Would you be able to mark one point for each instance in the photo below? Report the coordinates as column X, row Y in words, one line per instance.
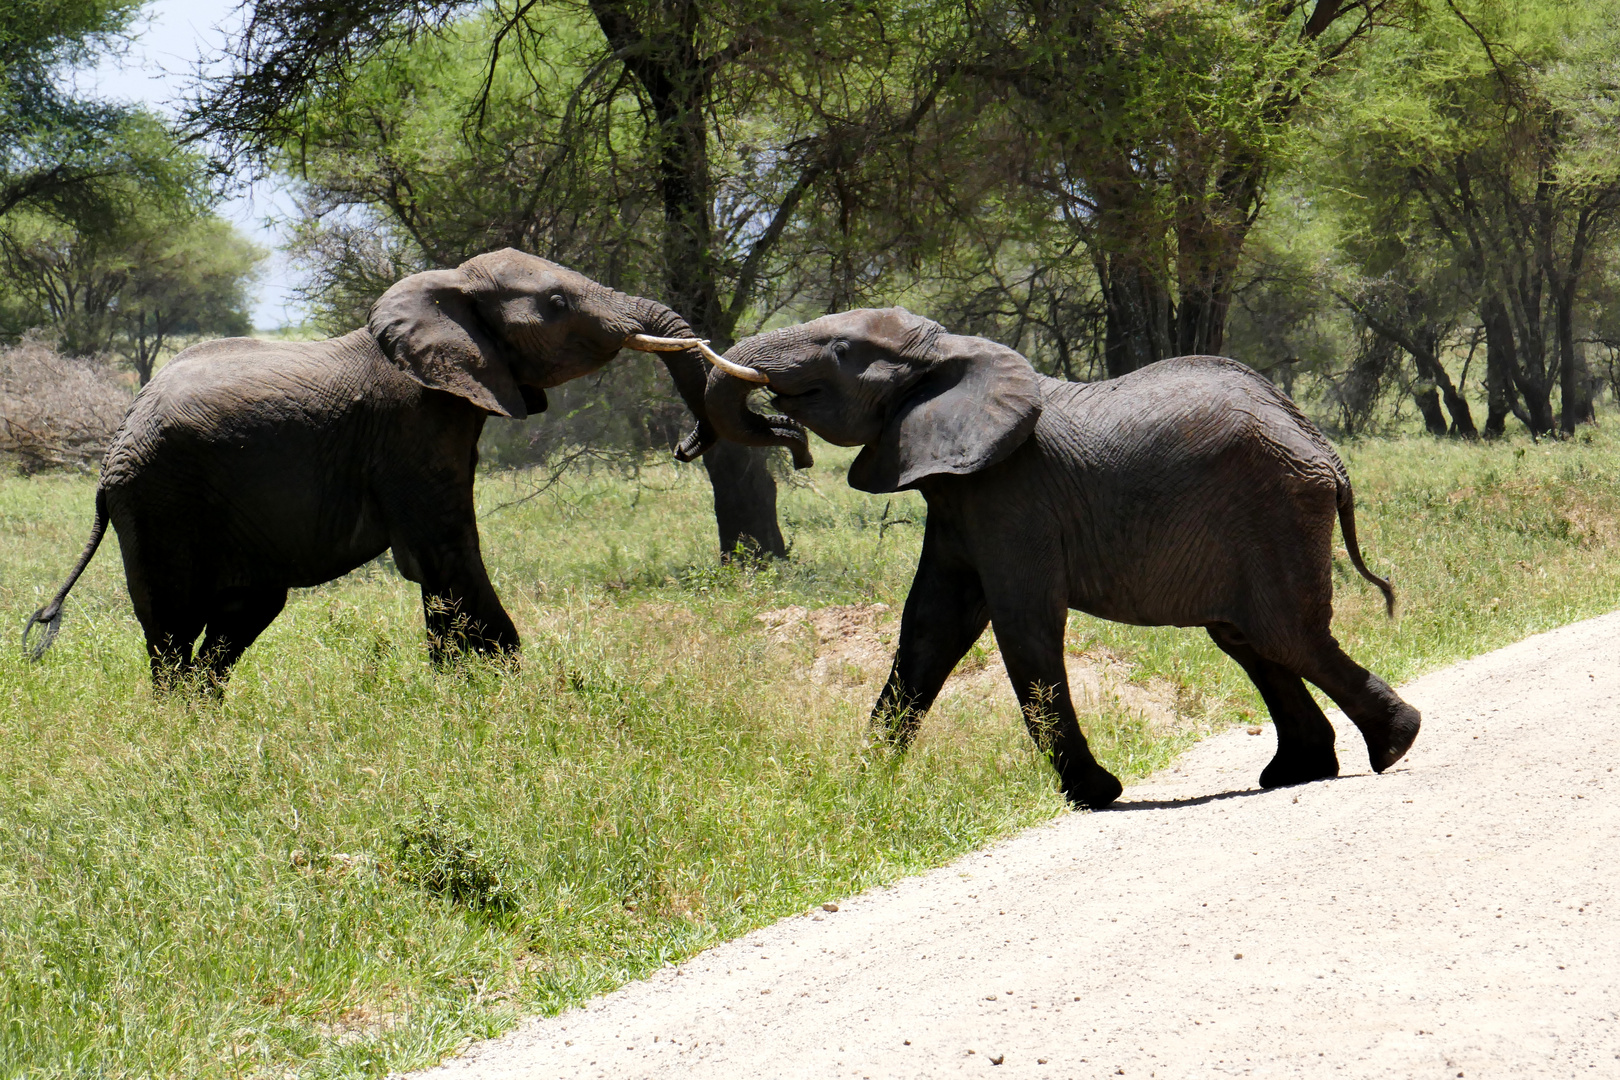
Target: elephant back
column 1197, row 407
column 224, row 392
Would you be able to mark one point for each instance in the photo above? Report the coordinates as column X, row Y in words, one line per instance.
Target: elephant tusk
column 671, row 344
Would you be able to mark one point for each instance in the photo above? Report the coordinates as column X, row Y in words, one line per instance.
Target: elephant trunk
column 655, row 328
column 727, row 402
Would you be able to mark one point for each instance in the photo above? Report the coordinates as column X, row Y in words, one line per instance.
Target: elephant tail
column 1347, row 525
column 49, row 617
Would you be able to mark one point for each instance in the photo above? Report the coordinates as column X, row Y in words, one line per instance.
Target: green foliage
column 164, row 270
column 435, row 856
column 202, row 889
column 445, row 146
column 1470, row 170
column 1149, row 134
column 104, row 231
column 59, row 154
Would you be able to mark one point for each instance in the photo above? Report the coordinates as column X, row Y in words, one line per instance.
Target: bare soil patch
column 852, row 647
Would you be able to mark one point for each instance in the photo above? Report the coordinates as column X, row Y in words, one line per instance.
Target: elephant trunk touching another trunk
column 667, row 334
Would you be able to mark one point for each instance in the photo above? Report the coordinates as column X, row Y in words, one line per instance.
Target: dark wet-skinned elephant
column 247, row 467
column 1189, row 493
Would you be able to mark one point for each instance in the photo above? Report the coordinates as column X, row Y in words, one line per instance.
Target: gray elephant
column 249, row 467
column 1189, row 493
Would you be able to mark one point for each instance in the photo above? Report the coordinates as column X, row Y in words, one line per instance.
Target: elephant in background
column 247, row 467
column 1189, row 493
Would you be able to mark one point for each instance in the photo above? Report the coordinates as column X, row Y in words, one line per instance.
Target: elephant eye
column 839, row 349
column 559, row 302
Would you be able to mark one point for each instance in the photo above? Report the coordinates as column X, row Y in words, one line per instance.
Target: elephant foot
column 1389, row 742
column 1093, row 791
column 1301, row 766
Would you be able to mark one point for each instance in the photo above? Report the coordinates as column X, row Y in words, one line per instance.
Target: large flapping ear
column 428, row 324
column 976, row 402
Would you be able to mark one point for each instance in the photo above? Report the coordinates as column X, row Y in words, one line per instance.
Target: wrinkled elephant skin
column 249, row 467
column 1190, row 493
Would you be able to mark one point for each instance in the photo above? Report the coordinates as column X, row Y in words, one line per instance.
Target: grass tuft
column 431, row 853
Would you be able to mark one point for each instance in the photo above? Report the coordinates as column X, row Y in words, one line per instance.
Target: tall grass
column 354, row 862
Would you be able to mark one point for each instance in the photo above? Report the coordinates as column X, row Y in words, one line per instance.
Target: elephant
column 248, row 467
column 1191, row 492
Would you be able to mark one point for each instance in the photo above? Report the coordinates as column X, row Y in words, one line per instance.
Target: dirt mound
column 854, row 648
column 854, row 643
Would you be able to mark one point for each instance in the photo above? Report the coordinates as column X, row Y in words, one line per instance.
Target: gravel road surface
column 1455, row 917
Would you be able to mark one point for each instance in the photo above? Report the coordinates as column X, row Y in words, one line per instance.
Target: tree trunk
column 1535, row 384
column 1501, row 369
column 1201, row 320
column 1430, row 370
column 744, row 501
column 1137, row 318
column 1428, row 403
column 1538, row 408
column 1574, row 388
column 1498, row 370
column 663, row 56
column 1209, row 238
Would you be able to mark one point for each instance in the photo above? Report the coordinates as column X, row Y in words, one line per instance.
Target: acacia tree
column 711, row 147
column 62, row 155
column 131, row 287
column 1484, row 140
column 1151, row 132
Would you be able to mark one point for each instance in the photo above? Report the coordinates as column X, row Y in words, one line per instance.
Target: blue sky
column 170, row 41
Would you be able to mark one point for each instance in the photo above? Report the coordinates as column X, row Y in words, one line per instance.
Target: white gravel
column 1456, row 916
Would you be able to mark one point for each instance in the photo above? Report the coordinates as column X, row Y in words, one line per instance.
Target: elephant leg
column 1304, row 735
column 459, row 604
column 1388, row 725
column 1029, row 630
column 168, row 648
column 168, row 618
column 237, row 618
column 463, row 616
column 435, row 544
column 945, row 614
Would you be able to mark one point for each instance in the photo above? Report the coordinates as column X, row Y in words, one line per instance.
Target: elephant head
column 922, row 402
column 501, row 327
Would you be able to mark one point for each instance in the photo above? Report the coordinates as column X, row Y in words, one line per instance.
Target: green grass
column 355, row 861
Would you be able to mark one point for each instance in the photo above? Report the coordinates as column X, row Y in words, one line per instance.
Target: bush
column 438, row 858
column 56, row 412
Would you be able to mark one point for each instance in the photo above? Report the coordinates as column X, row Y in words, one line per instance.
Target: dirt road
column 1456, row 917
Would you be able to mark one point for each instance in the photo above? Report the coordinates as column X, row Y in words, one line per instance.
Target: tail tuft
column 49, row 617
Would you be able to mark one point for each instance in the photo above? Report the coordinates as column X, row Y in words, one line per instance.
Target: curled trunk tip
column 726, row 402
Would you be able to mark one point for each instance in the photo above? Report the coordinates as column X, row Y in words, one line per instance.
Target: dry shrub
column 56, row 411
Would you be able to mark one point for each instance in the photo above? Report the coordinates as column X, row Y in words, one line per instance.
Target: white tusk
column 747, row 374
column 672, row 344
column 644, row 343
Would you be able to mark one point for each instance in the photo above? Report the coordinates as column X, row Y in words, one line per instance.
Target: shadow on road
column 1175, row 804
column 1172, row 804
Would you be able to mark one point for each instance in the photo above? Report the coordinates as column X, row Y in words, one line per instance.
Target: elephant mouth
column 600, row 350
column 780, row 398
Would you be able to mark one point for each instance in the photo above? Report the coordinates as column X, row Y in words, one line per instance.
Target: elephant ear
column 428, row 324
column 976, row 403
